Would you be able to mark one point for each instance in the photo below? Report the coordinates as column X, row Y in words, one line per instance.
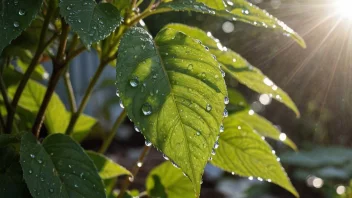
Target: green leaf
column 240, row 10
column 31, row 100
column 39, row 72
column 16, row 16
column 238, row 67
column 167, row 181
column 7, row 139
column 122, row 5
column 107, row 168
column 237, row 102
column 173, row 91
column 263, row 127
column 11, row 181
column 92, row 22
column 242, row 151
column 58, row 168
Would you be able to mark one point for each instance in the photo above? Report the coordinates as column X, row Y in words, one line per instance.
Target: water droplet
column 250, row 178
column 40, row 161
column 117, row 93
column 134, row 82
column 239, row 127
column 208, row 107
column 32, row 156
column 223, row 74
column 139, row 164
column 222, row 128
column 136, row 129
column 165, row 157
column 201, row 182
column 42, row 179
column 245, row 12
column 206, row 48
column 68, row 8
column 51, row 190
column 190, row 67
column 69, row 166
column 198, row 133
column 148, row 143
column 16, row 24
column 147, row 109
column 76, row 186
column 203, row 74
column 30, row 171
column 121, row 104
column 226, row 113
column 81, row 175
column 216, row 145
column 226, row 100
column 213, row 152
column 21, row 12
column 174, row 164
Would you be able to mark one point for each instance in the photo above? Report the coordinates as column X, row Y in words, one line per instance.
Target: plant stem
column 86, row 97
column 70, row 92
column 126, row 183
column 112, row 133
column 4, row 95
column 48, row 94
column 29, row 71
column 2, row 123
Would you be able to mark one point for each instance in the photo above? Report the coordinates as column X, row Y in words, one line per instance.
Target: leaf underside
column 173, row 91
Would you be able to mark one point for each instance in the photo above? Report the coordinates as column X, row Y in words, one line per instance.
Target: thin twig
column 112, row 132
column 2, row 123
column 4, row 95
column 70, row 92
column 126, row 183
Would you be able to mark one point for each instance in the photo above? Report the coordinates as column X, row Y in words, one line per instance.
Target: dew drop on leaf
column 147, row 109
column 222, row 128
column 222, row 73
column 51, row 190
column 165, row 157
column 117, row 93
column 213, row 152
column 30, row 171
column 226, row 100
column 216, row 145
column 139, row 164
column 136, row 129
column 208, row 107
column 148, row 143
column 134, row 82
column 16, row 24
column 226, row 113
column 121, row 104
column 32, row 156
column 21, row 12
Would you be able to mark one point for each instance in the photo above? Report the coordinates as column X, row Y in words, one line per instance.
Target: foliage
column 172, row 86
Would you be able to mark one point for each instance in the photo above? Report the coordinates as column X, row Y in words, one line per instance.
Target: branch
column 112, row 132
column 126, row 183
column 70, row 92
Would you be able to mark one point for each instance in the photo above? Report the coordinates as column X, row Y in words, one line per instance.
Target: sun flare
column 344, row 8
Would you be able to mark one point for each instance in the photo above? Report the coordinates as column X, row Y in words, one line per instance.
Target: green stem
column 2, row 124
column 29, row 71
column 126, row 183
column 112, row 133
column 4, row 95
column 86, row 97
column 70, row 92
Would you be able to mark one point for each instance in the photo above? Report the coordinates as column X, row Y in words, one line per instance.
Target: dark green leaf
column 173, row 90
column 240, row 10
column 92, row 22
column 6, row 139
column 11, row 181
column 237, row 101
column 167, row 181
column 107, row 168
column 238, row 67
column 59, row 168
column 16, row 16
column 263, row 127
column 242, row 151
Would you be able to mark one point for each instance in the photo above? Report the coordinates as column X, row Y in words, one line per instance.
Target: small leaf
column 237, row 102
column 174, row 92
column 16, row 16
column 31, row 100
column 107, row 168
column 240, row 10
column 238, row 67
column 168, row 181
column 11, row 181
column 92, row 22
column 263, row 127
column 242, row 151
column 59, row 168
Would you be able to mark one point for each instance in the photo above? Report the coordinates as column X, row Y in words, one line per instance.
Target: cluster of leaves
column 172, row 87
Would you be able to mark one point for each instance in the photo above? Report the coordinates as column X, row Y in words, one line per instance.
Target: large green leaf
column 173, row 90
column 242, row 151
column 11, row 181
column 107, row 168
column 39, row 72
column 31, row 100
column 238, row 67
column 16, row 16
column 59, row 168
column 93, row 22
column 167, row 179
column 263, row 127
column 240, row 10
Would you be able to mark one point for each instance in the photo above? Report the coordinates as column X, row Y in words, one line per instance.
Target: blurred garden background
column 317, row 78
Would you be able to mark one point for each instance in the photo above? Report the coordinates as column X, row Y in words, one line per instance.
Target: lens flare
column 343, row 8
